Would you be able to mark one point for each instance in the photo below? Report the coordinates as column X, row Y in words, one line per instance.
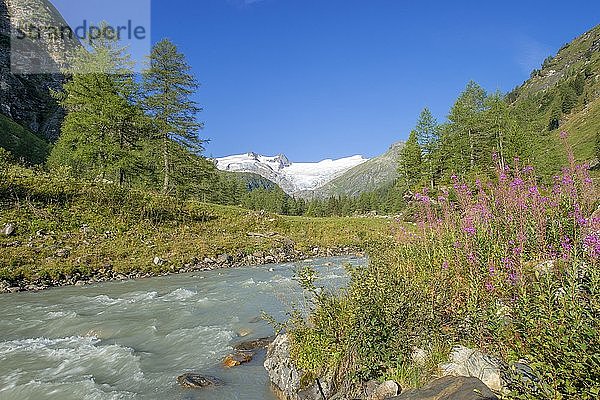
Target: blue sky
column 321, row 79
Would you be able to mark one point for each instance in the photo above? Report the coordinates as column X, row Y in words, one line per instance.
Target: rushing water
column 130, row 340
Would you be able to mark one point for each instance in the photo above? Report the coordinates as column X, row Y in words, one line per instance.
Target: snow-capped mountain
column 291, row 177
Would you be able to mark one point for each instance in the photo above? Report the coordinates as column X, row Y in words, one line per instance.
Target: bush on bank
column 507, row 266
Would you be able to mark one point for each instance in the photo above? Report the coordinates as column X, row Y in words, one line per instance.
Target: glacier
column 292, row 177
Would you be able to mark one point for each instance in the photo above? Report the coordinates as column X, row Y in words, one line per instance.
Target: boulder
column 224, row 259
column 196, row 381
column 8, row 229
column 467, row 362
column 386, row 390
column 239, row 358
column 451, row 388
column 286, row 378
column 243, row 332
column 252, row 345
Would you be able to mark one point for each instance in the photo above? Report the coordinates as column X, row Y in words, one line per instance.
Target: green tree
column 168, row 88
column 466, row 136
column 103, row 124
column 428, row 137
column 508, row 141
column 569, row 98
column 555, row 116
column 411, row 162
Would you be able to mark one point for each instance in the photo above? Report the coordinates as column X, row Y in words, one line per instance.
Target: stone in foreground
column 286, row 378
column 451, row 388
column 385, row 391
column 473, row 363
column 8, row 229
column 197, row 381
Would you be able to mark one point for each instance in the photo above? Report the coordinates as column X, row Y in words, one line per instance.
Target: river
column 130, row 340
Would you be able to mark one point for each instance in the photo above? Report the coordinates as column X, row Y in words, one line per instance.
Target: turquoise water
column 130, row 340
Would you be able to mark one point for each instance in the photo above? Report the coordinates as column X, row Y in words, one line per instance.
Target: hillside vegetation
column 563, row 95
column 510, row 267
column 21, row 142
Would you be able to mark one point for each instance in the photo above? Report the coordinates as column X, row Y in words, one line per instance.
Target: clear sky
column 318, row 79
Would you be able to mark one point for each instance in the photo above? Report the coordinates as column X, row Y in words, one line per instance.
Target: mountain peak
column 291, row 177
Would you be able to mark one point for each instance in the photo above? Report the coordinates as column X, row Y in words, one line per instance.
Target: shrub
column 471, row 271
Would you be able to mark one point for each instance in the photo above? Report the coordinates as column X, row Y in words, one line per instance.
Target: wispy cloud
column 530, row 53
column 244, row 3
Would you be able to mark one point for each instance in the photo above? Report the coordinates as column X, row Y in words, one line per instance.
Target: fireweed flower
column 567, row 246
column 471, row 258
column 470, row 230
column 489, row 286
column 591, row 244
column 517, row 183
column 445, row 265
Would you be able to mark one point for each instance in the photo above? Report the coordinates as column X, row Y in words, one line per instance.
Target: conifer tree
column 410, row 162
column 103, row 124
column 428, row 136
column 464, row 133
column 168, row 87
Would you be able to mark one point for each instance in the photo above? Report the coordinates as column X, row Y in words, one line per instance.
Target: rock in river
column 196, row 381
column 233, row 360
column 254, row 344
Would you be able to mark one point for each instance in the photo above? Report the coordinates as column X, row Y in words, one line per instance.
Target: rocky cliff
column 26, row 97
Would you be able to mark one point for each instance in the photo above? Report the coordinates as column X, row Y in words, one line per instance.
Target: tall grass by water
column 505, row 265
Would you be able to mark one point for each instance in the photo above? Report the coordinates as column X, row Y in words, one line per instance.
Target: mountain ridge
column 293, row 178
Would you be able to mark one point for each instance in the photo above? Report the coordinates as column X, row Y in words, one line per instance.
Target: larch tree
column 410, row 163
column 466, row 134
column 102, row 123
column 168, row 86
column 428, row 136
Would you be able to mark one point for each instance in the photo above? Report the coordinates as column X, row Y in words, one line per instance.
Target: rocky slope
column 374, row 174
column 26, row 97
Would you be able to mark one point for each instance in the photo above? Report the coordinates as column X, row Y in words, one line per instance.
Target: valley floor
column 58, row 231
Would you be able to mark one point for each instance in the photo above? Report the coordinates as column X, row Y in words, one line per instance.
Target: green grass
column 21, row 142
column 102, row 226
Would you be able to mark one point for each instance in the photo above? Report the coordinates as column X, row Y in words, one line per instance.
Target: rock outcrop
column 26, row 97
column 287, row 379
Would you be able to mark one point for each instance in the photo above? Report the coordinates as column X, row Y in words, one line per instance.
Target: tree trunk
column 472, row 145
column 167, row 165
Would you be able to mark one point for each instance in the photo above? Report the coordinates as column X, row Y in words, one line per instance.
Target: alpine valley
column 346, row 176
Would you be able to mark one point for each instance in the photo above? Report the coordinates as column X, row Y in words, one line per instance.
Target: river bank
column 56, row 232
column 222, row 261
